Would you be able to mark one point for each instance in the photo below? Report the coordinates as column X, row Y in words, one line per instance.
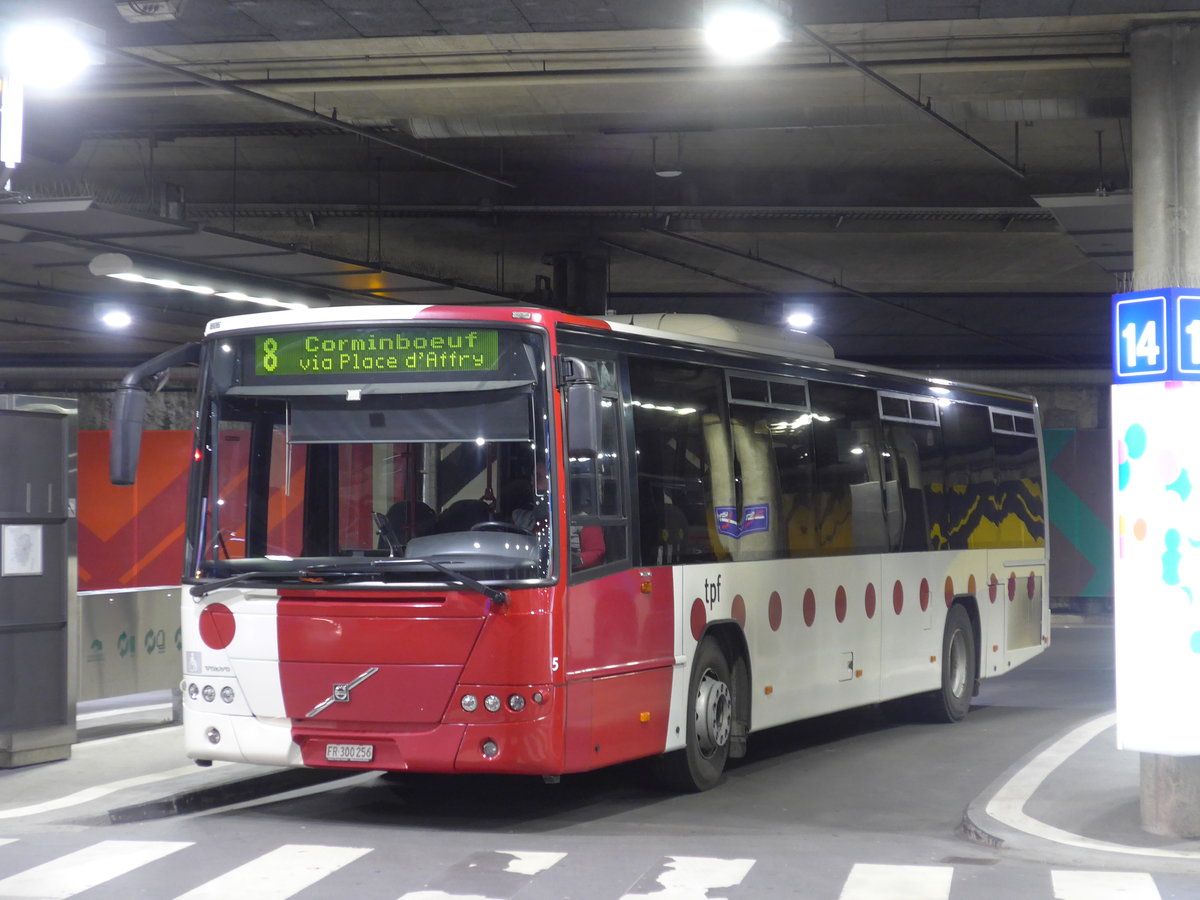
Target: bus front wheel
column 709, row 714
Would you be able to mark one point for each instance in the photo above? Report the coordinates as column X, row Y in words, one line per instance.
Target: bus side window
column 850, row 515
column 674, row 405
column 970, row 476
column 597, row 533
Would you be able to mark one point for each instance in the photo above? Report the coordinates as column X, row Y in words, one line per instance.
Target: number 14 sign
column 1156, row 335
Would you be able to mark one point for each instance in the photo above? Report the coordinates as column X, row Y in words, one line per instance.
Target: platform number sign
column 1187, row 313
column 1156, row 335
column 1139, row 333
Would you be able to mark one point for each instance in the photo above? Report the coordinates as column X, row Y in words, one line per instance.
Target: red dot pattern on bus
column 869, row 601
column 898, row 597
column 217, row 626
column 839, row 604
column 698, row 618
column 810, row 607
column 775, row 611
column 924, row 594
column 739, row 610
column 949, row 592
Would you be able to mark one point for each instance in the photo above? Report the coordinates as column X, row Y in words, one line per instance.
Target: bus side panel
column 621, row 620
column 812, row 629
column 620, row 655
column 1023, row 604
column 913, row 604
column 617, row 718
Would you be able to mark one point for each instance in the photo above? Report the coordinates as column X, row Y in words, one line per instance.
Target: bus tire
column 709, row 715
column 952, row 701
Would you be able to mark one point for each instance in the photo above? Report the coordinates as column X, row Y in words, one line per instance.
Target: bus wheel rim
column 714, row 714
column 958, row 664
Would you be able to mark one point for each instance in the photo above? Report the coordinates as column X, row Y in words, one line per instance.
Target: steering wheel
column 496, row 525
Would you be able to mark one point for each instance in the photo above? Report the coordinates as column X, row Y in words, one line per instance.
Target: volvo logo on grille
column 341, row 693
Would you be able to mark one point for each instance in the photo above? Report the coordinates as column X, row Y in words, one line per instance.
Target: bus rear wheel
column 699, row 765
column 952, row 701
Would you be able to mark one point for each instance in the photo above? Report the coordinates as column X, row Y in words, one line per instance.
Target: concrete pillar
column 1166, row 156
column 1166, row 253
column 580, row 281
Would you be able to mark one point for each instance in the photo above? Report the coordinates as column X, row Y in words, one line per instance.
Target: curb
column 215, row 796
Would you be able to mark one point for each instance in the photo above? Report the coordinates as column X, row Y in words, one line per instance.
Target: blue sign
column 1187, row 314
column 1156, row 335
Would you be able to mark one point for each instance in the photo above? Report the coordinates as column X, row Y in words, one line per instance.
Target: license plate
column 349, row 752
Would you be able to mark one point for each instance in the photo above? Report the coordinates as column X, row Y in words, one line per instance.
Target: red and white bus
column 453, row 539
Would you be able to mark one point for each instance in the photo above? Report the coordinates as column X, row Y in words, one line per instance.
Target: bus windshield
column 304, row 479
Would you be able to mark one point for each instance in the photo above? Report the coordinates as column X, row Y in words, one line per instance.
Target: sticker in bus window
column 755, row 519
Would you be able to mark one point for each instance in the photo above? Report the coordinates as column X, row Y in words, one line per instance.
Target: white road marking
column 1008, row 804
column 870, row 882
column 94, row 793
column 530, row 863
column 1104, row 886
column 4, row 841
column 499, row 873
column 124, row 711
column 692, row 877
column 84, row 869
column 279, row 874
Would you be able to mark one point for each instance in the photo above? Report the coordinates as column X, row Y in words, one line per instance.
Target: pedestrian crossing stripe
column 85, row 869
column 288, row 870
column 868, row 882
column 1103, row 886
column 691, row 876
column 279, row 874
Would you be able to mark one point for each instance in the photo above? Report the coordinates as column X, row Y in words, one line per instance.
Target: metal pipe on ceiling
column 874, row 76
column 199, row 85
column 293, row 109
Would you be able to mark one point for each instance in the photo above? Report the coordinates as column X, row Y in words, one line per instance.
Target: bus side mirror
column 582, row 389
column 129, row 410
column 125, row 434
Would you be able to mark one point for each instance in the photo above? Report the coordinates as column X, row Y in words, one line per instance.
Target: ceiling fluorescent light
column 123, row 268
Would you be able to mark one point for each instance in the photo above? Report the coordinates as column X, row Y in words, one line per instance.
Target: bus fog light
column 227, row 694
column 516, row 702
column 193, row 690
column 490, row 749
column 491, row 703
column 539, row 697
column 209, row 693
column 470, row 703
column 214, row 736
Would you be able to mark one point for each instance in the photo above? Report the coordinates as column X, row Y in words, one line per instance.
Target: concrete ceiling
column 885, row 165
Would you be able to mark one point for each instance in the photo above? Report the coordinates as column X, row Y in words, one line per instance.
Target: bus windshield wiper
column 378, row 566
column 199, row 590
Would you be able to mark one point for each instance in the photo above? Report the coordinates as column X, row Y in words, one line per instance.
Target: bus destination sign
column 376, row 352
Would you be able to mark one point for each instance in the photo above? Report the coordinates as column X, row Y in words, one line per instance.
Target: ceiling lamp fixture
column 800, row 317
column 739, row 30
column 49, row 54
column 667, row 165
column 113, row 316
column 123, row 268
